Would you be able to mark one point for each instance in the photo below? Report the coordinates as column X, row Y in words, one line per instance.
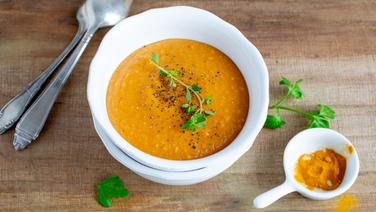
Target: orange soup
column 149, row 109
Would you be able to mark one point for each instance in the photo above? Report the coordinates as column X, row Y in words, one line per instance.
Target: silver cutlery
column 13, row 110
column 96, row 14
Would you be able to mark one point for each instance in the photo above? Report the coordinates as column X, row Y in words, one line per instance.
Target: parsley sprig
column 317, row 118
column 111, row 187
column 198, row 115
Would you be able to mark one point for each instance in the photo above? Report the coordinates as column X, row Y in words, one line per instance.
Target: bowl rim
column 234, row 149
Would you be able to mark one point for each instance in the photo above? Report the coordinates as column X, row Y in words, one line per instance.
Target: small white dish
column 305, row 142
column 158, row 176
column 196, row 24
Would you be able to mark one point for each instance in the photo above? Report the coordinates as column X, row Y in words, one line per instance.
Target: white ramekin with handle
column 306, row 142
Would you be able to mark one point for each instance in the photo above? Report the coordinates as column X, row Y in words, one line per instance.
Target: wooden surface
column 330, row 44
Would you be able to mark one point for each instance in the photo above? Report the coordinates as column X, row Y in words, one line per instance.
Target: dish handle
column 265, row 199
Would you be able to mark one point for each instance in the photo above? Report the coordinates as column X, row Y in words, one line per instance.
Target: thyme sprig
column 198, row 115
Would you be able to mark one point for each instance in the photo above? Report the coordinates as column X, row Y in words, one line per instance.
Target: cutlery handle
column 272, row 195
column 32, row 122
column 13, row 110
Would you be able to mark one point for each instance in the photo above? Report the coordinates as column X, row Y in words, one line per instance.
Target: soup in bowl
column 152, row 111
column 178, row 93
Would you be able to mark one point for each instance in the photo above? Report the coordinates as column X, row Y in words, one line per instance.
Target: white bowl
column 155, row 175
column 180, row 22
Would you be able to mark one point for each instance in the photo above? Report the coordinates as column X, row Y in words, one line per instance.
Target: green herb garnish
column 111, row 187
column 318, row 118
column 197, row 112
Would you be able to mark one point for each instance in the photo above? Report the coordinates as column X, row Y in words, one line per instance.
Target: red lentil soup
column 146, row 111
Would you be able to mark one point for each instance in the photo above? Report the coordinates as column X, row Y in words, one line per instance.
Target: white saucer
column 155, row 175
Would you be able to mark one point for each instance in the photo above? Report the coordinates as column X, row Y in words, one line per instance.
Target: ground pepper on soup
column 147, row 111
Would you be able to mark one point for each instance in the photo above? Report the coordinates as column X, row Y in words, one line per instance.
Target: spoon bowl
column 306, row 142
column 101, row 13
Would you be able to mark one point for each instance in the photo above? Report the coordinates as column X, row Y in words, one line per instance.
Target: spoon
column 97, row 14
column 309, row 141
column 13, row 110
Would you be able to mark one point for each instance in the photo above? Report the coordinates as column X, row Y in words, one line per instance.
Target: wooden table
column 329, row 44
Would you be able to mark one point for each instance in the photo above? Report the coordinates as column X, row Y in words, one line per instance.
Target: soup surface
column 146, row 110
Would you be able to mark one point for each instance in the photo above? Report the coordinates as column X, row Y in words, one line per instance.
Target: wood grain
column 330, row 44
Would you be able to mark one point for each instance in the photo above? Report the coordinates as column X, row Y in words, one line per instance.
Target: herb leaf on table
column 111, row 187
column 317, row 118
column 274, row 121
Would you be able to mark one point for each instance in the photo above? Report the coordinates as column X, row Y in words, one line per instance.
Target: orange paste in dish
column 350, row 149
column 147, row 113
column 322, row 169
